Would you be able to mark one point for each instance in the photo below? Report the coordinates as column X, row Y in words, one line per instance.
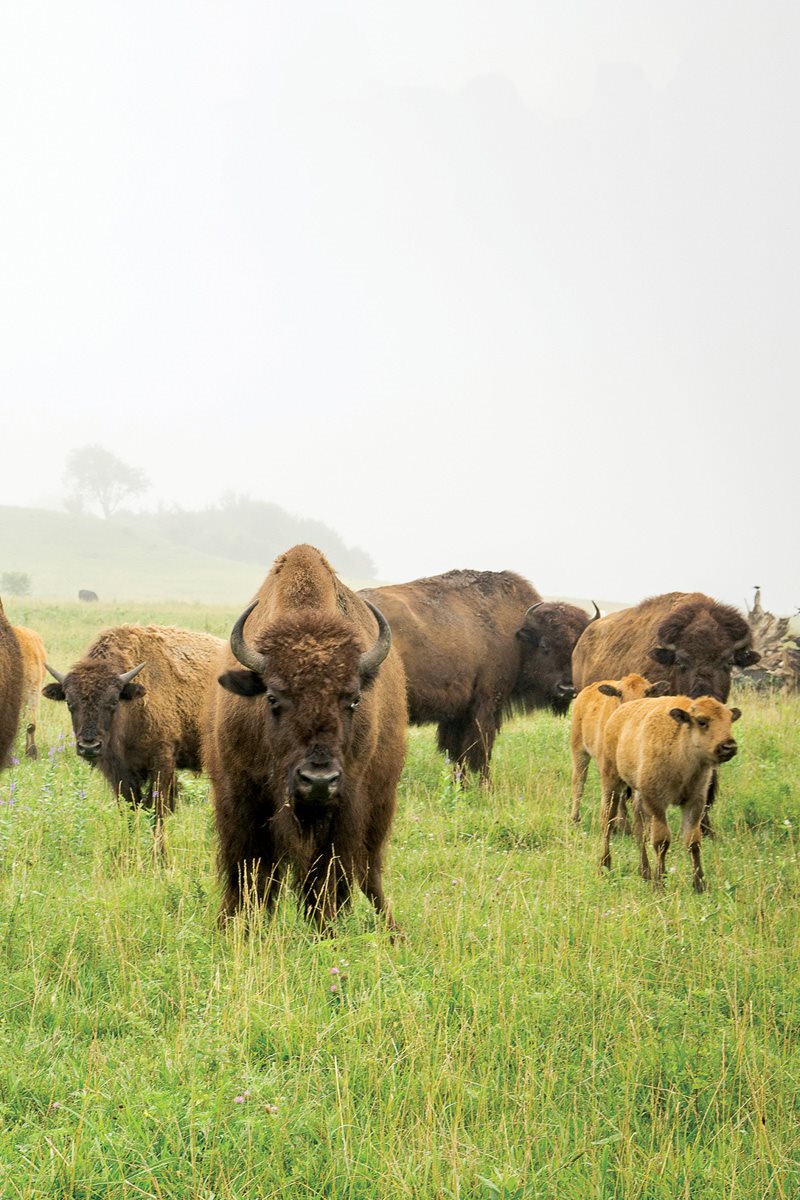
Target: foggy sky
column 501, row 285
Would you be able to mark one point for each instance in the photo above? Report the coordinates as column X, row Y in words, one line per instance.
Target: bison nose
column 312, row 783
column 566, row 691
column 726, row 750
column 89, row 748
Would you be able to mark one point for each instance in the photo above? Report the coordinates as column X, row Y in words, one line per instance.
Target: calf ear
column 131, row 691
column 243, row 683
column 746, row 658
column 735, row 714
column 658, row 689
column 608, row 690
column 54, row 691
column 662, row 655
column 527, row 635
column 681, row 716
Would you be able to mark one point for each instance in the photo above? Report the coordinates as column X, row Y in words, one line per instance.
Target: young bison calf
column 665, row 751
column 591, row 711
column 33, row 673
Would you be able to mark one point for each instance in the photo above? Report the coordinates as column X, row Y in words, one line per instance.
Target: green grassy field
column 542, row 1032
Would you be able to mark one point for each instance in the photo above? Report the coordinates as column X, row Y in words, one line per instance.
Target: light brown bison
column 33, row 674
column 306, row 744
column 10, row 687
column 694, row 640
column 139, row 734
column 592, row 708
column 665, row 751
column 476, row 646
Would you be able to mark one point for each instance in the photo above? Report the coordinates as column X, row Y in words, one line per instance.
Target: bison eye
column 273, row 701
column 702, row 722
column 353, row 703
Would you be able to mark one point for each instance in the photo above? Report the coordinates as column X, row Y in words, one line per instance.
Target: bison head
column 308, row 673
column 700, row 644
column 708, row 726
column 92, row 691
column 547, row 637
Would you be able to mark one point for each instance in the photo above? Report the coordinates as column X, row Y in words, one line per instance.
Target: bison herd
column 300, row 718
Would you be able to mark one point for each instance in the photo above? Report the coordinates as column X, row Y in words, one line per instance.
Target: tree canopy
column 96, row 476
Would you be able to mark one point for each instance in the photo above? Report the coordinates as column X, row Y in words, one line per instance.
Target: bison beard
column 305, row 746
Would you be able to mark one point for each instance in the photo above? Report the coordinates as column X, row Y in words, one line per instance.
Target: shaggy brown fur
column 665, row 751
column 703, row 633
column 139, row 734
column 33, row 675
column 307, row 716
column 592, row 708
column 470, row 658
column 10, row 687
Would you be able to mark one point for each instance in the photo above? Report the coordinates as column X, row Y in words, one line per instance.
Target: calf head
column 307, row 672
column 634, row 687
column 700, row 645
column 708, row 726
column 92, row 691
column 547, row 638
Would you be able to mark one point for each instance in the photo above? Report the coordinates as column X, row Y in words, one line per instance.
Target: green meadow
column 541, row 1031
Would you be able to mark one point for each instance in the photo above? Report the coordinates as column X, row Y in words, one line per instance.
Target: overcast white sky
column 489, row 285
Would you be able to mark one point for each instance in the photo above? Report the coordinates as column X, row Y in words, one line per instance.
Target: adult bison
column 139, row 734
column 477, row 645
column 306, row 744
column 695, row 641
column 87, row 596
column 11, row 683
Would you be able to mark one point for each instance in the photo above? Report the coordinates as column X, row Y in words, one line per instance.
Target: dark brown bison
column 477, row 645
column 695, row 641
column 33, row 674
column 306, row 744
column 88, row 596
column 11, row 683
column 139, row 734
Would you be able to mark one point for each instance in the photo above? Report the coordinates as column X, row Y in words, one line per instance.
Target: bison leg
column 327, row 889
column 641, row 838
column 30, row 741
column 713, row 788
column 608, row 813
column 660, row 837
column 161, row 798
column 249, row 884
column 479, row 735
column 450, row 738
column 580, row 768
column 692, row 837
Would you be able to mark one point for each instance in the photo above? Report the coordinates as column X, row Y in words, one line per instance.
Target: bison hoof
column 700, row 885
column 31, row 752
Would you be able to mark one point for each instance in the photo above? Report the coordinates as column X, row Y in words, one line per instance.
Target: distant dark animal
column 306, row 744
column 665, row 751
column 86, row 595
column 140, row 734
column 694, row 640
column 11, row 683
column 33, row 674
column 591, row 711
column 476, row 646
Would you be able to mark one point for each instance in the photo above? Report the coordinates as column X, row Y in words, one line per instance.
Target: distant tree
column 15, row 583
column 98, row 477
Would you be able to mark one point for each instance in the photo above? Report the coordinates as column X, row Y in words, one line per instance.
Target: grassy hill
column 123, row 559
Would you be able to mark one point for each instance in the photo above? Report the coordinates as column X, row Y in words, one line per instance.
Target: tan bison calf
column 10, row 687
column 590, row 713
column 33, row 673
column 665, row 751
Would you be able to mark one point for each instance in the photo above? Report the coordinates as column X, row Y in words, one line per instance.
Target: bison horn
column 528, row 611
column 742, row 642
column 127, row 676
column 596, row 616
column 371, row 659
column 56, row 674
column 242, row 652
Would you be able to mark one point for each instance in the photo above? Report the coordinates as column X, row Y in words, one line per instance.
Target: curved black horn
column 129, row 675
column 742, row 642
column 528, row 611
column 371, row 659
column 596, row 616
column 241, row 651
column 56, row 674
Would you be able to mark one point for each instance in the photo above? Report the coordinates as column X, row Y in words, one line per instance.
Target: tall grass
column 542, row 1031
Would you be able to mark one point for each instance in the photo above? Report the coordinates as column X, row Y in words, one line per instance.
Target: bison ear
column 54, row 691
column 243, row 683
column 608, row 690
column 663, row 655
column 735, row 714
column 680, row 716
column 746, row 658
column 131, row 691
column 658, row 689
column 527, row 635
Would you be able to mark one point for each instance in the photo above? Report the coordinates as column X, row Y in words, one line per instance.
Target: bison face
column 547, row 638
column 92, row 693
column 708, row 727
column 309, row 673
column 699, row 651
